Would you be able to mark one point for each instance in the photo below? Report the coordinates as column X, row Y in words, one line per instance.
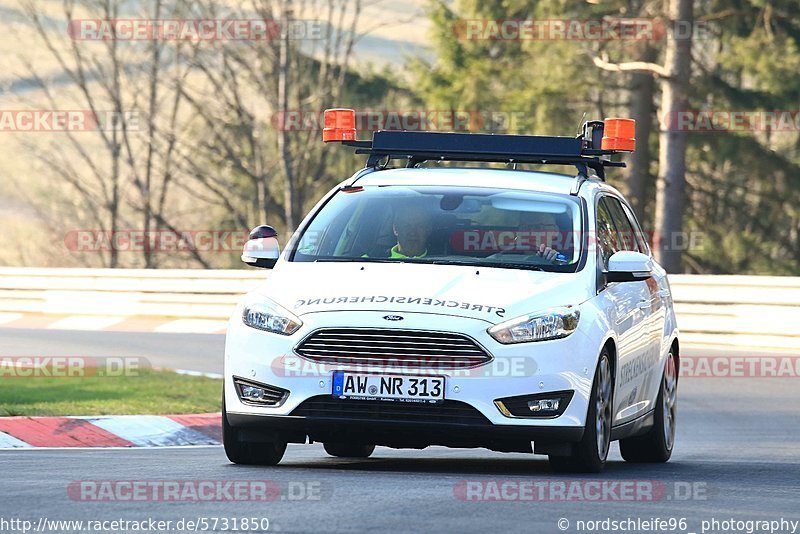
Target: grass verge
column 148, row 392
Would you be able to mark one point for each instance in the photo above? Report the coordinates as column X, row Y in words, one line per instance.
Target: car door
column 630, row 313
column 658, row 285
column 659, row 304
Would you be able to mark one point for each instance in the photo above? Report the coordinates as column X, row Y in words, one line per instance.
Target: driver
column 412, row 227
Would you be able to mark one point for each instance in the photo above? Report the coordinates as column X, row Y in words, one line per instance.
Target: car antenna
column 580, row 124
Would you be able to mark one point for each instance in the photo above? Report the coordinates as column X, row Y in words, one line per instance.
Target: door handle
column 644, row 305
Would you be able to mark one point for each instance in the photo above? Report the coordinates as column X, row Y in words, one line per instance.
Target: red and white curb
column 98, row 323
column 111, row 431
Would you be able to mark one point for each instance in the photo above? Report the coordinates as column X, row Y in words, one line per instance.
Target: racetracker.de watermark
column 71, row 366
column 67, row 120
column 155, row 241
column 419, row 120
column 292, row 366
column 198, row 490
column 195, row 30
column 605, row 29
column 777, row 366
column 139, row 525
column 523, row 240
column 460, row 241
column 532, row 490
column 726, row 120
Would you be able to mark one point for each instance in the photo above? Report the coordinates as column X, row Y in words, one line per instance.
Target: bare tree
column 138, row 128
column 100, row 187
column 253, row 88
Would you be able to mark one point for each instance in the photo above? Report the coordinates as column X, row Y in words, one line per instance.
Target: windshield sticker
column 381, row 299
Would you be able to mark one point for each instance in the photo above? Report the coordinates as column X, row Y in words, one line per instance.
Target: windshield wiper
column 343, row 259
column 431, row 261
column 498, row 264
column 346, row 259
column 512, row 265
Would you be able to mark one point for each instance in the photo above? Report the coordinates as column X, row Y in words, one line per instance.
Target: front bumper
column 521, row 369
column 398, row 434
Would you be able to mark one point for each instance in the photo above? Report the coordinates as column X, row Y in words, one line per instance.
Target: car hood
column 489, row 294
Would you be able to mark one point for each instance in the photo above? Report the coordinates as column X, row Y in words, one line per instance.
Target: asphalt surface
column 737, row 457
column 195, row 352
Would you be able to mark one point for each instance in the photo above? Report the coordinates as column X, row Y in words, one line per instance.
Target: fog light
column 540, row 405
column 544, row 405
column 250, row 392
column 256, row 394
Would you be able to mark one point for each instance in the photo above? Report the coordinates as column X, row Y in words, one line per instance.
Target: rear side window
column 625, row 232
column 641, row 239
column 607, row 241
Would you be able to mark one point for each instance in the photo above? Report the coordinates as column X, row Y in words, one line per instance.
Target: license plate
column 400, row 388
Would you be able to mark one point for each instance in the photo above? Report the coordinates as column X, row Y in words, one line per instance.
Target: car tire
column 656, row 446
column 589, row 455
column 348, row 450
column 244, row 452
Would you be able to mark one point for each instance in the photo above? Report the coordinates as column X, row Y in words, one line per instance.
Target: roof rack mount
column 418, row 147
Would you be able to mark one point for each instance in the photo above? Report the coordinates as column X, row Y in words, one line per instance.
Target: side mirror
column 628, row 266
column 262, row 248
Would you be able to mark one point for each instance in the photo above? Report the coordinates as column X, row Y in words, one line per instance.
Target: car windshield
column 446, row 225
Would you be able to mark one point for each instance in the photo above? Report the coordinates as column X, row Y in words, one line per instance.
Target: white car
column 509, row 309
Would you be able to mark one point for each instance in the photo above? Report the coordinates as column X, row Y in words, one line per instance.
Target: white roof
column 473, row 177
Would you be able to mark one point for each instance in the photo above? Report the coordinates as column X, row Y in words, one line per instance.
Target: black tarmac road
column 737, row 459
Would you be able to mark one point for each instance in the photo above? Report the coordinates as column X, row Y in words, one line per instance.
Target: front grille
column 449, row 411
column 390, row 347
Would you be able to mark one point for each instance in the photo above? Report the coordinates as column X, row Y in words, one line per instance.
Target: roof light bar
column 591, row 149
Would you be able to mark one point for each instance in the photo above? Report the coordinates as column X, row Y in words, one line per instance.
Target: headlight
column 549, row 324
column 264, row 314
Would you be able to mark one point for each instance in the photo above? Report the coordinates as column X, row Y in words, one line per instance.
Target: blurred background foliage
column 208, row 152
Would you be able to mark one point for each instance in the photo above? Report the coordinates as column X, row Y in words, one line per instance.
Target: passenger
column 546, row 231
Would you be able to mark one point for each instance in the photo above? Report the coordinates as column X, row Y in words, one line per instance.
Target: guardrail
column 743, row 311
column 751, row 311
column 178, row 293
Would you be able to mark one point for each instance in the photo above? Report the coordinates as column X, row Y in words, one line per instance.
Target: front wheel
column 589, row 455
column 240, row 451
column 656, row 445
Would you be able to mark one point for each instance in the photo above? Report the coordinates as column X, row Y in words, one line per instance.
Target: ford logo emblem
column 393, row 317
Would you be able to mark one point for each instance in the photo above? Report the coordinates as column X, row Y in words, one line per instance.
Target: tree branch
column 632, row 66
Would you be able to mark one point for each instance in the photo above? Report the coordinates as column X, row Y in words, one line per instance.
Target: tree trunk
column 113, row 207
column 672, row 143
column 642, row 89
column 152, row 110
column 289, row 199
